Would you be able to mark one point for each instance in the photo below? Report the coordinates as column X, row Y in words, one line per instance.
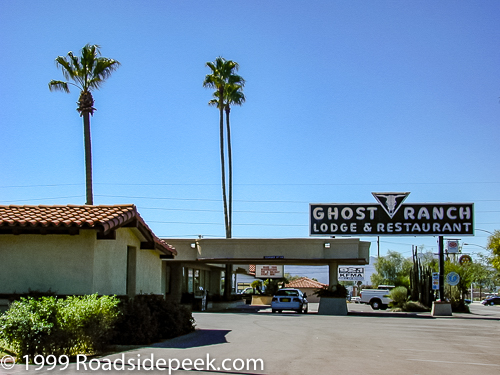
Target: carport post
column 333, row 273
column 228, row 281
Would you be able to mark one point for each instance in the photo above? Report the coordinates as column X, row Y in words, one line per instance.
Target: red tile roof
column 305, row 282
column 104, row 219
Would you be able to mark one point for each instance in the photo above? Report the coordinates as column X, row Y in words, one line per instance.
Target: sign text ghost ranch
column 406, row 219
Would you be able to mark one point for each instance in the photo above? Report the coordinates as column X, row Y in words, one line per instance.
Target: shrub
column 149, row 318
column 48, row 325
column 399, row 295
column 86, row 324
column 412, row 306
column 89, row 320
column 334, row 291
column 459, row 306
column 29, row 326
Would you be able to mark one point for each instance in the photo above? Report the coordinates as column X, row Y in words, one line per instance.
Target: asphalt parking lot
column 364, row 342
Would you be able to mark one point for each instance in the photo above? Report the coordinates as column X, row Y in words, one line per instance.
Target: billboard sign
column 269, row 271
column 351, row 273
column 391, row 217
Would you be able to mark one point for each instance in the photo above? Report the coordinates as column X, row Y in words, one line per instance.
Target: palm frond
column 214, row 103
column 222, row 74
column 233, row 95
column 235, row 79
column 75, row 64
column 58, row 86
column 88, row 71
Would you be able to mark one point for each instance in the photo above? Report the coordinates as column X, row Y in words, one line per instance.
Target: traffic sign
column 453, row 278
column 435, row 281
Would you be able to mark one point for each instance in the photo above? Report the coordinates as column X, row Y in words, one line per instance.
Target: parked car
column 377, row 298
column 491, row 301
column 355, row 299
column 289, row 299
column 248, row 290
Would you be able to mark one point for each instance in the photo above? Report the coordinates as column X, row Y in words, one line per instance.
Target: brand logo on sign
column 390, row 202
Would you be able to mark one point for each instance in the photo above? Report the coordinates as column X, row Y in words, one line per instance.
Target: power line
column 242, row 224
column 238, row 211
column 261, row 184
column 39, row 199
column 196, row 199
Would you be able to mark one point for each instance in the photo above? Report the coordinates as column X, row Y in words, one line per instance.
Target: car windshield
column 293, row 293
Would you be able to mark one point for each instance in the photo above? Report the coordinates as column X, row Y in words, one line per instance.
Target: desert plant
column 399, row 296
column 256, row 285
column 412, row 306
column 272, row 286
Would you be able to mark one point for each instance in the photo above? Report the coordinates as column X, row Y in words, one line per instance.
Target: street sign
column 464, row 259
column 452, row 278
column 452, row 247
column 391, row 217
column 435, row 281
column 351, row 273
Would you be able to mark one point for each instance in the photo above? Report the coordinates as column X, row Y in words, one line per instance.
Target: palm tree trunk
column 228, row 275
column 230, row 172
column 223, row 166
column 88, row 157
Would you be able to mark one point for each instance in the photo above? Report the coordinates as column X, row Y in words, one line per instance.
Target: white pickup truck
column 377, row 298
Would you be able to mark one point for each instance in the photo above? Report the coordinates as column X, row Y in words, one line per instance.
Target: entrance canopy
column 293, row 251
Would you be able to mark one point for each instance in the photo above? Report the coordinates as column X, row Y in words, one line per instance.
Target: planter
column 220, row 306
column 441, row 309
column 262, row 300
column 332, row 306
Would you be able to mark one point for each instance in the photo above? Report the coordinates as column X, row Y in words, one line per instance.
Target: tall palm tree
column 222, row 75
column 233, row 96
column 88, row 73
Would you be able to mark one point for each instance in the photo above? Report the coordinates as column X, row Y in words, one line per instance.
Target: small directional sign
column 453, row 278
column 435, row 281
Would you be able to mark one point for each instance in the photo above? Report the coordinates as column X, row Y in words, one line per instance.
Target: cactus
column 420, row 282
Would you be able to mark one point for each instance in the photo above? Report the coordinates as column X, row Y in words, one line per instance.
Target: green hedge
column 87, row 324
column 49, row 325
column 149, row 318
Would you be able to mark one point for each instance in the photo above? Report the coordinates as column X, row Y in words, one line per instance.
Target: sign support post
column 441, row 268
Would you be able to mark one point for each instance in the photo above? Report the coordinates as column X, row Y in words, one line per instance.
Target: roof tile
column 94, row 217
column 305, row 282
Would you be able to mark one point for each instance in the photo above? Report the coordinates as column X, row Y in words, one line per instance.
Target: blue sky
column 344, row 98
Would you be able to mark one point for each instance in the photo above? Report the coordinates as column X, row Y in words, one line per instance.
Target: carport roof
column 105, row 219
